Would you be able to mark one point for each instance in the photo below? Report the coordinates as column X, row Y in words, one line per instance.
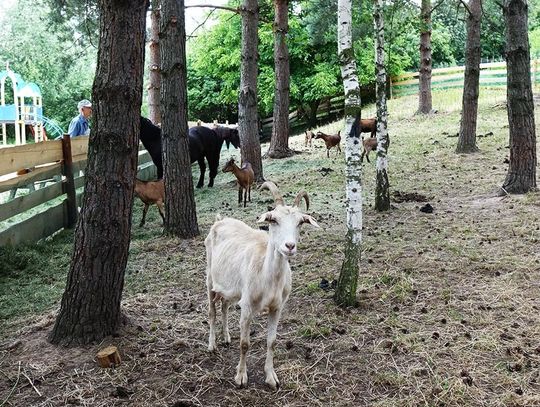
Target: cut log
column 108, row 357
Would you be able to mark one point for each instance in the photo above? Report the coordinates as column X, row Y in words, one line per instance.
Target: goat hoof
column 199, row 186
column 272, row 381
column 241, row 380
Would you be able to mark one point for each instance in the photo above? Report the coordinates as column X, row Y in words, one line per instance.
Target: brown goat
column 309, row 136
column 244, row 177
column 330, row 140
column 369, row 144
column 151, row 192
column 369, row 126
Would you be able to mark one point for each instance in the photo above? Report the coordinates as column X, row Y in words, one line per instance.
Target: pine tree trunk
column 382, row 192
column 425, row 102
column 247, row 103
column 279, row 143
column 180, row 211
column 469, row 112
column 348, row 278
column 90, row 308
column 154, row 82
column 521, row 176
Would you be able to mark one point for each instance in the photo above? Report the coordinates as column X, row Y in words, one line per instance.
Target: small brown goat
column 369, row 126
column 151, row 192
column 369, row 144
column 244, row 177
column 309, row 136
column 330, row 140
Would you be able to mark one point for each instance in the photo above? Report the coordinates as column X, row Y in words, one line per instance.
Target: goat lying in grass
column 369, row 144
column 251, row 267
column 151, row 192
column 330, row 140
column 244, row 177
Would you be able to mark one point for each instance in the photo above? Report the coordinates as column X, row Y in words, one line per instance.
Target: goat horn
column 269, row 185
column 301, row 194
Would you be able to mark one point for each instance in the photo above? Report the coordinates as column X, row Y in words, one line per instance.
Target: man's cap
column 84, row 103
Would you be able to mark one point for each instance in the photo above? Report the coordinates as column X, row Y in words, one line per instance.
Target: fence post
column 68, row 184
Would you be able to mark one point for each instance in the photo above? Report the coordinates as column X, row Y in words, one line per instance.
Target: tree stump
column 108, row 357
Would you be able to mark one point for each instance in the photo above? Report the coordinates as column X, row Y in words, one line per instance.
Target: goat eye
column 272, row 221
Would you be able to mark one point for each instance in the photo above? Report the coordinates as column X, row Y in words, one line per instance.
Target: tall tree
column 521, row 176
column 247, row 103
column 348, row 278
column 382, row 193
column 154, row 82
column 180, row 213
column 90, row 307
column 425, row 100
column 469, row 111
column 279, row 143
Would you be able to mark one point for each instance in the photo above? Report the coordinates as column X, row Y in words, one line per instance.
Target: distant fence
column 492, row 74
column 52, row 182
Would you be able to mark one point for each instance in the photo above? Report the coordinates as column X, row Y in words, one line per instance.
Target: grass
column 447, row 315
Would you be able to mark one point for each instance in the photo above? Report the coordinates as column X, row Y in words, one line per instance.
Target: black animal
column 203, row 142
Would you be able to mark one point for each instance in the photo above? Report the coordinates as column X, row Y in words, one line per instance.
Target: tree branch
column 232, row 9
column 466, row 6
column 435, row 6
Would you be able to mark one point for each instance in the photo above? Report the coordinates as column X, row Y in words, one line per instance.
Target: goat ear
column 265, row 217
column 310, row 220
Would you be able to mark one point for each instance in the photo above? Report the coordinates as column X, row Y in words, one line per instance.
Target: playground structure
column 20, row 113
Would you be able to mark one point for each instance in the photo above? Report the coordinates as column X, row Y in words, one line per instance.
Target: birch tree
column 382, row 194
column 180, row 214
column 471, row 86
column 348, row 278
column 521, row 176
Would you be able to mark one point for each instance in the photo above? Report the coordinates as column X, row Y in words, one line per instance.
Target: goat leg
column 145, row 209
column 211, row 317
column 202, row 168
column 271, row 377
column 225, row 321
column 161, row 210
column 241, row 377
column 240, row 195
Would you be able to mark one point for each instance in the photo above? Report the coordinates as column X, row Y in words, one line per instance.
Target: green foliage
column 63, row 69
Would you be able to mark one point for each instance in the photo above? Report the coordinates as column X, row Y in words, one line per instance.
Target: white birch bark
column 346, row 289
column 382, row 195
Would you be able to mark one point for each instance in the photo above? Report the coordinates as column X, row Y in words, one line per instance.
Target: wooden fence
column 492, row 74
column 52, row 183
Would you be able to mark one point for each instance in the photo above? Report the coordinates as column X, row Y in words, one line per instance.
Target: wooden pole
column 69, row 182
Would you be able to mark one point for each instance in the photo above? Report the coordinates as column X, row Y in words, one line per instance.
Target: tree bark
column 247, row 103
column 345, row 294
column 279, row 143
column 154, row 83
column 382, row 192
column 469, row 112
column 521, row 176
column 424, row 78
column 90, row 308
column 180, row 210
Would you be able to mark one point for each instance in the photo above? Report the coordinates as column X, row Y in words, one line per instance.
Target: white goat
column 251, row 267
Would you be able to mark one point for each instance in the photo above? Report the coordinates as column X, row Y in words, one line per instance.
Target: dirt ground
column 448, row 301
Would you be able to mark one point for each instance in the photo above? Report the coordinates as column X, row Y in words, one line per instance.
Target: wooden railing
column 492, row 74
column 51, row 172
